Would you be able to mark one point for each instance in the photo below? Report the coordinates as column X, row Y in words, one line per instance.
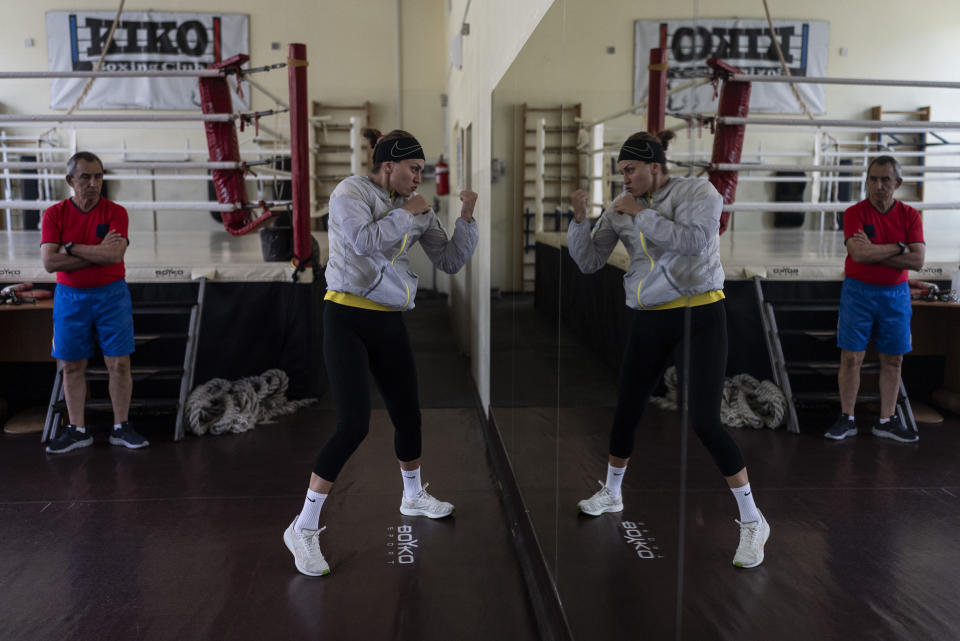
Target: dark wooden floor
column 864, row 538
column 183, row 541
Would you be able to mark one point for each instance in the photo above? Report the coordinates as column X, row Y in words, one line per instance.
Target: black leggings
column 654, row 335
column 354, row 340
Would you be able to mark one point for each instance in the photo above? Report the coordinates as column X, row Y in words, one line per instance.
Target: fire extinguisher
column 443, row 177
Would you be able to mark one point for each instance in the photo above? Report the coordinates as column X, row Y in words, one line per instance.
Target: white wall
column 498, row 30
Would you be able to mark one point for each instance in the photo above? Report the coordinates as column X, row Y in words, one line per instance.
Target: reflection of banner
column 745, row 44
column 142, row 41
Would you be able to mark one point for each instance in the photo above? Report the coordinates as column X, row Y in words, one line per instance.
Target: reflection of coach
column 84, row 240
column 884, row 239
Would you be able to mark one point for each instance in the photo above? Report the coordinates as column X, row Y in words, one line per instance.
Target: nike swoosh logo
column 747, row 494
column 402, row 150
column 646, row 152
column 312, row 500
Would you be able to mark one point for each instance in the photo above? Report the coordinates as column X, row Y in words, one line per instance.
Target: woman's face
column 639, row 178
column 405, row 175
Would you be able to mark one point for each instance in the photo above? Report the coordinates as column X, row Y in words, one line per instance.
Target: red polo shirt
column 64, row 223
column 901, row 224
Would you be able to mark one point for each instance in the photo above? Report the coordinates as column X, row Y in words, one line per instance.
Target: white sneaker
column 425, row 505
column 753, row 536
column 305, row 547
column 602, row 501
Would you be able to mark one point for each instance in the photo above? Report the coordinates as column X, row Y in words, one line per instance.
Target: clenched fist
column 627, row 204
column 417, row 205
column 469, row 201
column 578, row 200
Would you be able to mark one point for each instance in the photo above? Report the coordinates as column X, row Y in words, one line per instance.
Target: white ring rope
column 142, row 73
column 220, row 406
column 43, row 118
column 746, row 401
column 810, row 80
column 160, row 164
column 840, row 169
column 150, row 205
column 825, row 206
column 905, row 126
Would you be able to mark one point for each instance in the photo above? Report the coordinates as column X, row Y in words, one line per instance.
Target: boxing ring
column 249, row 294
column 802, row 267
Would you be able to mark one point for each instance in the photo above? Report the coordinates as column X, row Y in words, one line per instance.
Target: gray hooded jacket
column 674, row 246
column 370, row 235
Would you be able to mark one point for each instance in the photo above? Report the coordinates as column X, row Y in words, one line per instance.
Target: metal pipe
column 643, row 103
column 267, row 93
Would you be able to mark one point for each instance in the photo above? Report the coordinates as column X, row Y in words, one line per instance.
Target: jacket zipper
column 643, row 246
column 403, row 246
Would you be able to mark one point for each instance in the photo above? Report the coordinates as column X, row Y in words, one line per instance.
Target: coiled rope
column 746, row 401
column 219, row 406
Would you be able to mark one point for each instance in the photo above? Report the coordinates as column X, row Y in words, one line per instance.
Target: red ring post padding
column 728, row 139
column 223, row 145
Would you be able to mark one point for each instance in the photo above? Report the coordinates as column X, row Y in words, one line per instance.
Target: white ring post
column 356, row 158
column 7, row 188
column 815, row 176
column 598, row 186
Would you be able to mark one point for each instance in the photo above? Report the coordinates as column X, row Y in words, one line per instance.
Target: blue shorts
column 874, row 311
column 81, row 316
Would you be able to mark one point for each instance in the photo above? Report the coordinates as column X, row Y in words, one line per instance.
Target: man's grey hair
column 82, row 155
column 879, row 160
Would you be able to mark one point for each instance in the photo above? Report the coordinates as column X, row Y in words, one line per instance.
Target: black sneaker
column 842, row 428
column 896, row 430
column 70, row 439
column 127, row 437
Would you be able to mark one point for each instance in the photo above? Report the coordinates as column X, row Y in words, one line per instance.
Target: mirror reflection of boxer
column 669, row 227
column 884, row 239
column 83, row 240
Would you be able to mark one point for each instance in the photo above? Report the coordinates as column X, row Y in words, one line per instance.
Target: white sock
column 748, row 509
column 118, row 426
column 884, row 421
column 615, row 478
column 411, row 483
column 80, row 428
column 309, row 518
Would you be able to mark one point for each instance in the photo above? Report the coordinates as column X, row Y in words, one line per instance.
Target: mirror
column 558, row 336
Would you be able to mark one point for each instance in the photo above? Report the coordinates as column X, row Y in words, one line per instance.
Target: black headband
column 642, row 150
column 397, row 149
